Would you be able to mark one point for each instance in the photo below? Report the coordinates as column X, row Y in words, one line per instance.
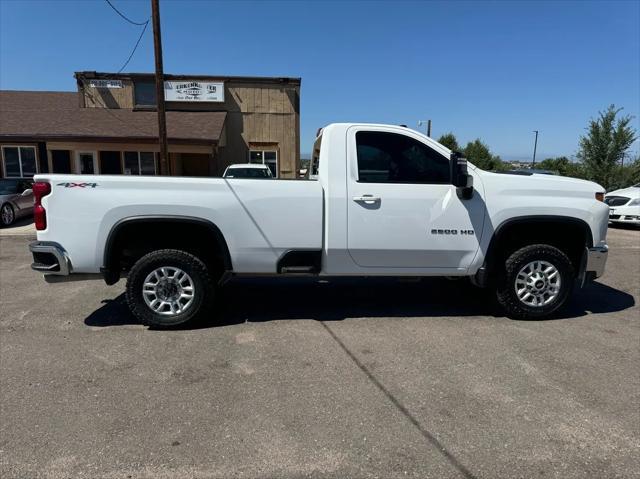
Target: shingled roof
column 29, row 115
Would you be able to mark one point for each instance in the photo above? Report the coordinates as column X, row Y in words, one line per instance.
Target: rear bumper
column 596, row 260
column 49, row 258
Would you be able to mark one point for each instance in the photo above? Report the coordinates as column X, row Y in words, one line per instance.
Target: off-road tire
column 204, row 287
column 505, row 288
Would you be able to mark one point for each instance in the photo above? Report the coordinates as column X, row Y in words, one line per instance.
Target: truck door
column 403, row 211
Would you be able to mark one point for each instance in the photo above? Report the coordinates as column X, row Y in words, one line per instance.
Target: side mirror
column 460, row 176
column 27, row 192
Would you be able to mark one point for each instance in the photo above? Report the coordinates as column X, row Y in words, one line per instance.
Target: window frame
column 353, row 153
column 264, row 150
column 138, row 153
column 4, row 165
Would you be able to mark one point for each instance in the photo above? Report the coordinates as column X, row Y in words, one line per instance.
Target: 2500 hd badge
column 451, row 232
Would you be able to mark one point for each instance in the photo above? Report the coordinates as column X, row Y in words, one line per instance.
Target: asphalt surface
column 289, row 379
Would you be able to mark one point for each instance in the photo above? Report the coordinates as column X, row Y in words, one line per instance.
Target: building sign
column 105, row 83
column 187, row 90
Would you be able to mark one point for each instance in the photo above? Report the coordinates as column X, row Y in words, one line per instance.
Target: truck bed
column 263, row 219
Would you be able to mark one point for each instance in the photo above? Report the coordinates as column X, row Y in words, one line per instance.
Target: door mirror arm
column 27, row 192
column 460, row 176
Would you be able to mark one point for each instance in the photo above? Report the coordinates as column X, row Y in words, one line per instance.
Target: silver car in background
column 16, row 199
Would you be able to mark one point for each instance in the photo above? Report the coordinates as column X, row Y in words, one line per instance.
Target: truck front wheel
column 169, row 287
column 536, row 281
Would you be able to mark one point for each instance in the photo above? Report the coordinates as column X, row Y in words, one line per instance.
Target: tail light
column 40, row 190
column 600, row 196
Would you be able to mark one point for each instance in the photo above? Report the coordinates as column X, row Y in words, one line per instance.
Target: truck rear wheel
column 169, row 287
column 537, row 281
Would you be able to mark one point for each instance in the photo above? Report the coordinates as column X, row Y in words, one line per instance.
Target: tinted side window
column 394, row 158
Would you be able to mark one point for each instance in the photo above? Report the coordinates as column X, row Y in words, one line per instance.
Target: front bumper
column 49, row 258
column 625, row 214
column 625, row 219
column 596, row 260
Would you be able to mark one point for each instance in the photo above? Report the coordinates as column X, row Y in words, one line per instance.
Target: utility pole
column 535, row 147
column 162, row 118
column 428, row 123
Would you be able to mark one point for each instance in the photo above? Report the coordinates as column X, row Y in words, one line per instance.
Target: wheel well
column 569, row 235
column 131, row 239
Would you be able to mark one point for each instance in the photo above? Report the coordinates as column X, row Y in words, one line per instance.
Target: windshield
column 8, row 187
column 248, row 173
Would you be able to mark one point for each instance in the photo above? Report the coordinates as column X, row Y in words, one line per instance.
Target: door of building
column 110, row 163
column 195, row 164
column 86, row 163
column 61, row 161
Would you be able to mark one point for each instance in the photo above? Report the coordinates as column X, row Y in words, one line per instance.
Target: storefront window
column 265, row 157
column 139, row 163
column 19, row 161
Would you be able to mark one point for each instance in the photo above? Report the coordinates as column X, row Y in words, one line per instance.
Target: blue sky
column 493, row 70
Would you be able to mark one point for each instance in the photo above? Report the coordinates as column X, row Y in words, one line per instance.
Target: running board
column 297, row 270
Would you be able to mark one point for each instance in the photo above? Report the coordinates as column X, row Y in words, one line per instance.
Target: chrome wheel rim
column 538, row 283
column 7, row 214
column 168, row 291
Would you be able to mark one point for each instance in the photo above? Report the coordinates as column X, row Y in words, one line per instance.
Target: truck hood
column 546, row 183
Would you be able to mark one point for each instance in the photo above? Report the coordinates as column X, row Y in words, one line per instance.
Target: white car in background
column 624, row 205
column 248, row 170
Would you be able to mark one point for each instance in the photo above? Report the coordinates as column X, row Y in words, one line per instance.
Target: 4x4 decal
column 78, row 185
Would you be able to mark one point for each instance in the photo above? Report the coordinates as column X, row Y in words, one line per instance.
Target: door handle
column 368, row 199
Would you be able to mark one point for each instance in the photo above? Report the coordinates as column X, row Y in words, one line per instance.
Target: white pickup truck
column 386, row 201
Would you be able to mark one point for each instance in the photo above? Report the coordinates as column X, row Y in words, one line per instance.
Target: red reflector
column 40, row 190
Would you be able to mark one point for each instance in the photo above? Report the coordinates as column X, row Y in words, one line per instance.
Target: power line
column 135, row 47
column 123, row 16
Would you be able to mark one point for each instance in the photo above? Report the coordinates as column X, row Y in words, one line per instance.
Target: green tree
column 601, row 150
column 449, row 140
column 626, row 175
column 558, row 164
column 479, row 154
column 563, row 166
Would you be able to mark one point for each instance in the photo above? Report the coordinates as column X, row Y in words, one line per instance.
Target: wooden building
column 109, row 126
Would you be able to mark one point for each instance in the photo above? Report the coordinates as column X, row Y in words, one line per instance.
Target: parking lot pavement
column 22, row 227
column 307, row 378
